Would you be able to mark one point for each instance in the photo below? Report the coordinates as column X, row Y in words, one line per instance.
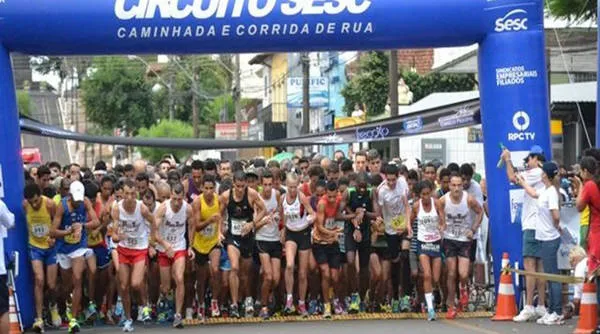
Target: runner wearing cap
column 69, row 228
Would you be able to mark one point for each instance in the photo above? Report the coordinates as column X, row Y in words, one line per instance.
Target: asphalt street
column 439, row 326
column 44, row 108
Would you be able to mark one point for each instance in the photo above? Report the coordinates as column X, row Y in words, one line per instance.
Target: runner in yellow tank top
column 207, row 234
column 39, row 213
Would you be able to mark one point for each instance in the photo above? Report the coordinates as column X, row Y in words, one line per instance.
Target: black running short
column 273, row 248
column 329, row 254
column 301, row 238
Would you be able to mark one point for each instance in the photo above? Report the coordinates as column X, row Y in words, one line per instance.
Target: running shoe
column 313, row 306
column 542, row 320
column 73, row 326
column 55, row 316
column 201, row 313
column 337, row 307
column 451, row 315
column 178, row 321
column 163, row 317
column 327, row 311
column 354, row 303
column 464, row 298
column 109, row 319
column 119, row 307
column 249, row 307
column 405, row 304
column 189, row 313
column 386, row 307
column 554, row 320
column 38, row 325
column 540, row 311
column 214, row 306
column 527, row 314
column 395, row 306
column 140, row 315
column 128, row 326
column 146, row 314
column 264, row 313
column 302, row 309
column 91, row 312
column 431, row 315
column 224, row 311
column 234, row 311
column 289, row 307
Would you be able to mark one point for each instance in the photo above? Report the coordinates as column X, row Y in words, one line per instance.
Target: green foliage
column 23, row 103
column 423, row 85
column 165, row 129
column 573, row 10
column 370, row 86
column 212, row 81
column 48, row 65
column 117, row 94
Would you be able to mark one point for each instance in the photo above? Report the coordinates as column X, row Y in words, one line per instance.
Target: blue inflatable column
column 515, row 113
column 11, row 167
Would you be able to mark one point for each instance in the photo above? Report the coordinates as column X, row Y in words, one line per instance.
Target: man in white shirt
column 7, row 220
column 529, row 218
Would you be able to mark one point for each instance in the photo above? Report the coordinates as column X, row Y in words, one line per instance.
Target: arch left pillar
column 11, row 166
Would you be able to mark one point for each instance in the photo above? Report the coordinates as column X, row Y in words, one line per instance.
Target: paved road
column 44, row 108
column 462, row 326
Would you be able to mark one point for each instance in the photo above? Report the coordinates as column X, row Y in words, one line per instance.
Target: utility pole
column 195, row 106
column 236, row 97
column 305, row 58
column 393, row 73
column 170, row 93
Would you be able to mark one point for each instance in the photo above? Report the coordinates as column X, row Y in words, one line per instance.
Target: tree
column 370, row 86
column 23, row 103
column 165, row 129
column 116, row 94
column 573, row 10
column 423, row 85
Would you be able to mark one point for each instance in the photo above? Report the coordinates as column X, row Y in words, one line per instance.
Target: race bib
column 330, row 223
column 95, row 238
column 342, row 236
column 236, row 226
column 72, row 238
column 171, row 238
column 430, row 247
column 40, row 230
column 131, row 242
column 398, row 223
column 209, row 230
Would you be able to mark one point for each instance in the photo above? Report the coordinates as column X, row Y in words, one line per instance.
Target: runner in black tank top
column 241, row 204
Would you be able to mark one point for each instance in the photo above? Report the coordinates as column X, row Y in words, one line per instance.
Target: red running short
column 165, row 261
column 131, row 256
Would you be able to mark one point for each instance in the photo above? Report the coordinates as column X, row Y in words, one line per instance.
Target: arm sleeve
column 7, row 218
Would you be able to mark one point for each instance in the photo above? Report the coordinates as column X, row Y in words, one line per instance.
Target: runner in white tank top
column 134, row 224
column 173, row 217
column 459, row 210
column 268, row 242
column 297, row 217
column 428, row 223
column 134, row 227
column 458, row 218
column 430, row 220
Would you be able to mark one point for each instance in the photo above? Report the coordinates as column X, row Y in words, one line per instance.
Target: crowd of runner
column 305, row 236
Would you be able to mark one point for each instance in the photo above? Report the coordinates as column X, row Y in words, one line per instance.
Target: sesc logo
column 521, row 122
column 515, row 20
column 379, row 132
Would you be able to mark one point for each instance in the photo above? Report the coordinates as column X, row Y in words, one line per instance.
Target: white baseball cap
column 77, row 191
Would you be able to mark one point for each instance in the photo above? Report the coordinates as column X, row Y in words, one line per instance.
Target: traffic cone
column 588, row 316
column 506, row 307
column 14, row 326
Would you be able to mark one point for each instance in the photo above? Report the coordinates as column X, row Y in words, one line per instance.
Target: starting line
column 364, row 316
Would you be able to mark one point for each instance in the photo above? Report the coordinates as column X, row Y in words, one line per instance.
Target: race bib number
column 330, row 223
column 236, row 226
column 131, row 242
column 172, row 238
column 430, row 247
column 40, row 230
column 209, row 230
column 95, row 238
column 398, row 223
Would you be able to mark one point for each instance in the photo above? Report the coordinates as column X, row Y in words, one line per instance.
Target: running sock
column 289, row 296
column 300, row 302
column 429, row 299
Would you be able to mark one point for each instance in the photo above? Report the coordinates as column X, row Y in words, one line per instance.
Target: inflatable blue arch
column 510, row 34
